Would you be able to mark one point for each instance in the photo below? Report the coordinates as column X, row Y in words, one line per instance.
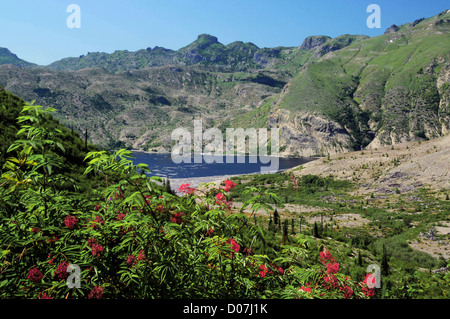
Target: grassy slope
column 350, row 85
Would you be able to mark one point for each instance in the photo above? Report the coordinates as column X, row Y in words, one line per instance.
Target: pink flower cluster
column 132, row 260
column 61, row 271
column 369, row 292
column 96, row 248
column 186, row 188
column 325, row 256
column 328, row 280
column 177, row 218
column 96, row 293
column 294, row 183
column 264, row 270
column 234, row 244
column 35, row 275
column 222, row 200
column 332, row 268
column 229, row 185
column 70, row 221
column 98, row 220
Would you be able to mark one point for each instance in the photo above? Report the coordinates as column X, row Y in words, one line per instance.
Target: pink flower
column 229, row 185
column 332, row 268
column 44, row 296
column 35, row 275
column 70, row 221
column 96, row 293
column 220, row 197
column 96, row 248
column 330, row 281
column 61, row 271
column 121, row 216
column 347, row 291
column 280, row 270
column 98, row 220
column 263, row 271
column 294, row 183
column 91, row 241
column 141, row 255
column 222, row 200
column 185, row 188
column 160, row 208
column 234, row 244
column 368, row 292
column 131, row 260
column 177, row 218
column 324, row 256
column 307, row 289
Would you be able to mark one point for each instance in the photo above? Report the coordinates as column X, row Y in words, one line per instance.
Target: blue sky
column 37, row 32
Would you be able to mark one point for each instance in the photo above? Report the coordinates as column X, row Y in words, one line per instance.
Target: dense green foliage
column 73, row 148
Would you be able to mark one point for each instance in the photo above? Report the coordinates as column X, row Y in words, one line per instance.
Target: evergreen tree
column 316, row 230
column 276, row 217
column 384, row 263
column 300, row 223
column 285, row 230
column 360, row 262
column 167, row 186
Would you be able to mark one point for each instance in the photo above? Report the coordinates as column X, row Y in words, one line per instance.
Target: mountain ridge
column 7, row 57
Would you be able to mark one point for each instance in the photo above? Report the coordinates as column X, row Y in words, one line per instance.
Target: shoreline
column 175, row 183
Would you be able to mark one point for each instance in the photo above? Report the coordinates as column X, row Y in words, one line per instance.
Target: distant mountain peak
column 393, row 28
column 314, row 41
column 7, row 57
column 207, row 37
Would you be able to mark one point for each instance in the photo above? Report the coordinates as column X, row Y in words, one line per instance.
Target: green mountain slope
column 6, row 57
column 206, row 51
column 378, row 91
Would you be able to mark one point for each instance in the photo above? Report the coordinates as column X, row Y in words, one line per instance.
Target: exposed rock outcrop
column 313, row 42
column 307, row 134
column 393, row 28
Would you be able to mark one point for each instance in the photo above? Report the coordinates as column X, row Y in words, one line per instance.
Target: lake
column 162, row 165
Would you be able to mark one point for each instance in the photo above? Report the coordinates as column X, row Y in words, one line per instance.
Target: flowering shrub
column 326, row 282
column 186, row 188
column 132, row 239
